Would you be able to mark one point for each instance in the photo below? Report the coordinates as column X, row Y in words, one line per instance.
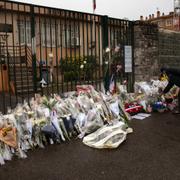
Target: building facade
column 170, row 21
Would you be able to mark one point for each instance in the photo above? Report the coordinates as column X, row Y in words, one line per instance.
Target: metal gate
column 47, row 50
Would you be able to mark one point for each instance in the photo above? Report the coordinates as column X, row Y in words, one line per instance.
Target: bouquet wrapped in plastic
column 109, row 136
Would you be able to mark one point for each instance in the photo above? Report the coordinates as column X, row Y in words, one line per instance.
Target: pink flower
column 125, row 82
column 119, row 67
column 117, row 49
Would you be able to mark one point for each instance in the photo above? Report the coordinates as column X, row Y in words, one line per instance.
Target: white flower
column 85, row 62
column 50, row 55
column 106, row 62
column 82, row 66
column 107, row 50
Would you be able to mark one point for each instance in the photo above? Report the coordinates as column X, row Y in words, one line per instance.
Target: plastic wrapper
column 7, row 155
column 1, row 121
column 93, row 121
column 2, row 162
column 50, row 132
column 21, row 154
column 115, row 108
column 68, row 125
column 74, row 107
column 80, row 122
column 65, row 132
column 109, row 136
column 55, row 123
column 84, row 102
column 37, row 136
column 50, row 119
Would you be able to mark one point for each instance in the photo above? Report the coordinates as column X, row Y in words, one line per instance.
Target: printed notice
column 128, row 59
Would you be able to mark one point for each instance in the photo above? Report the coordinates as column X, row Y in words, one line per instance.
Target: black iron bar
column 56, row 56
column 26, row 56
column 20, row 55
column 8, row 66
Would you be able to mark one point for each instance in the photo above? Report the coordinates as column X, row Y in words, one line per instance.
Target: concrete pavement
column 152, row 152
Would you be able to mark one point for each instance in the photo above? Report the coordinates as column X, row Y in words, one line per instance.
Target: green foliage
column 49, row 102
column 78, row 68
column 71, row 76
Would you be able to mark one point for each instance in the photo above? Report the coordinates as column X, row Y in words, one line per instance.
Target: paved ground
column 152, row 152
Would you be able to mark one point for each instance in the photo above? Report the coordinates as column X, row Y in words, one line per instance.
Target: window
column 48, row 35
column 71, row 35
column 24, row 32
column 114, row 38
column 169, row 22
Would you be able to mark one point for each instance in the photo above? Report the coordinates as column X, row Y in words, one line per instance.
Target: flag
column 94, row 5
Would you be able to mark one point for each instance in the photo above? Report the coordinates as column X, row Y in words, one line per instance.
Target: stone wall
column 154, row 48
column 169, row 48
column 145, row 51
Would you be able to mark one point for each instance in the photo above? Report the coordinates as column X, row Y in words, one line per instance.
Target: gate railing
column 65, row 48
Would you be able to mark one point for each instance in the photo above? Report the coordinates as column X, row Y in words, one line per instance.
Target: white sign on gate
column 128, row 59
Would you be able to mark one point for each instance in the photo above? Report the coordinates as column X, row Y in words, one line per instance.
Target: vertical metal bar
column 99, row 48
column 123, row 44
column 83, row 44
column 70, row 46
column 79, row 38
column 122, row 49
column 27, row 68
column 120, row 53
column 95, row 54
column 104, row 22
column 75, row 45
column 114, row 33
column 2, row 83
column 66, row 53
column 40, row 49
column 119, row 32
column 91, row 70
column 110, row 34
column 51, row 49
column 20, row 56
column 33, row 45
column 105, row 31
column 56, row 46
column 87, row 43
column 14, row 63
column 61, row 56
column 131, row 24
column 2, row 76
column 45, row 48
column 7, row 54
column 126, row 43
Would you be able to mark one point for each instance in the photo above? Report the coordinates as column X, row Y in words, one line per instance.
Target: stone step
column 23, row 92
column 24, row 74
column 24, row 82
